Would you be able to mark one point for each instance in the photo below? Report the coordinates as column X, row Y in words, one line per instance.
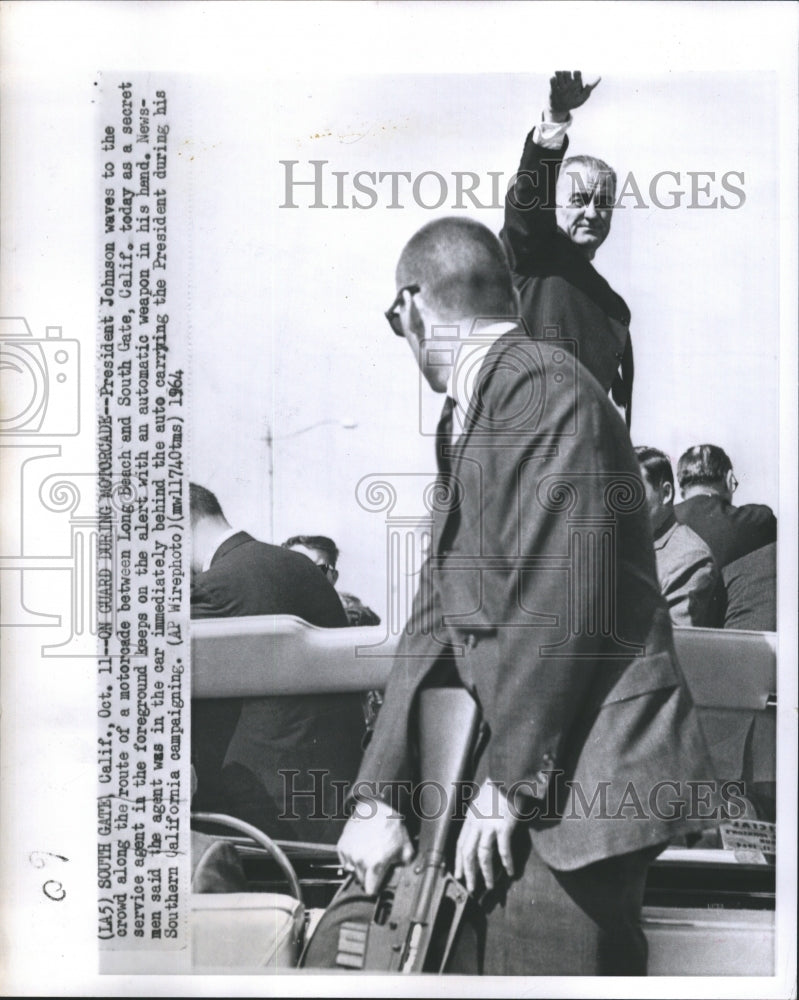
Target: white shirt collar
column 222, row 539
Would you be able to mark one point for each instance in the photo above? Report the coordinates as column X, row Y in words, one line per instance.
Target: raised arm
column 530, row 202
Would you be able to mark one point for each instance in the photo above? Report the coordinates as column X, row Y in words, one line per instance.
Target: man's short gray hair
column 593, row 165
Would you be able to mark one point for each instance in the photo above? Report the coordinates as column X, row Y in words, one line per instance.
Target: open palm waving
column 567, row 92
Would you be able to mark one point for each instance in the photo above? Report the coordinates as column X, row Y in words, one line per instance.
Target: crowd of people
column 546, row 596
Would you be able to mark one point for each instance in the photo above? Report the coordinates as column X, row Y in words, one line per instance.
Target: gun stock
column 411, row 924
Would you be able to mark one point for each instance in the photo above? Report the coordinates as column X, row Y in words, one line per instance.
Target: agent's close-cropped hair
column 462, row 268
column 702, row 464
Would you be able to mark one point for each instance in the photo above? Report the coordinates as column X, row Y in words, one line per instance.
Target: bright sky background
column 285, row 307
column 287, row 303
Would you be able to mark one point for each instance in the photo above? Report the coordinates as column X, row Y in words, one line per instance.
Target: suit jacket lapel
column 443, row 517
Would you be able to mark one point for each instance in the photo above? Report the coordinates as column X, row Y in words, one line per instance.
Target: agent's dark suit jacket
column 730, row 532
column 561, row 293
column 543, row 588
column 259, row 737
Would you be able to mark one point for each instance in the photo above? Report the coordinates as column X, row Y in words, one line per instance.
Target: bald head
column 461, row 268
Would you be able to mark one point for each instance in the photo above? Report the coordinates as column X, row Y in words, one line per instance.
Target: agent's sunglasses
column 391, row 312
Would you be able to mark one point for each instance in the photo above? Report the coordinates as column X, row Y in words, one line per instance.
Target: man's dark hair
column 202, row 503
column 656, row 464
column 702, row 464
column 320, row 542
column 461, row 267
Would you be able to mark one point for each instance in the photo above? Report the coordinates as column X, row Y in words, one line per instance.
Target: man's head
column 658, row 483
column 451, row 272
column 320, row 549
column 207, row 524
column 584, row 197
column 707, row 469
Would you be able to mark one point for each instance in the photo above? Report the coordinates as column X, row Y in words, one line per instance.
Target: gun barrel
column 426, row 896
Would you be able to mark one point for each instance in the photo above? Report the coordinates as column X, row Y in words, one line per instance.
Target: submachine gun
column 411, row 923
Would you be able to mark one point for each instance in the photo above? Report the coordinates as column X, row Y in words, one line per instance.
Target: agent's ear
column 411, row 316
column 668, row 492
column 332, row 575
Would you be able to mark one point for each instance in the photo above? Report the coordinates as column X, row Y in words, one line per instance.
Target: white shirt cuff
column 550, row 135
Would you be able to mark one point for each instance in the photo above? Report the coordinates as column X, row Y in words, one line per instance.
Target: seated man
column 707, row 484
column 242, row 748
column 324, row 552
column 751, row 584
column 686, row 571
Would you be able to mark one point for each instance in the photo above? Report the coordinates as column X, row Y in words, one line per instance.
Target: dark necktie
column 444, row 437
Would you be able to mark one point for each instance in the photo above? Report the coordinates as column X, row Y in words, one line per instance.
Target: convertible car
column 709, row 908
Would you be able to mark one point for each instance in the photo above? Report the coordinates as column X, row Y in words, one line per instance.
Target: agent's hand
column 486, row 832
column 567, row 92
column 373, row 839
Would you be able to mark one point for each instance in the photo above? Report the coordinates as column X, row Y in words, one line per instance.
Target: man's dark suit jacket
column 729, row 532
column 544, row 591
column 255, row 739
column 751, row 584
column 562, row 295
